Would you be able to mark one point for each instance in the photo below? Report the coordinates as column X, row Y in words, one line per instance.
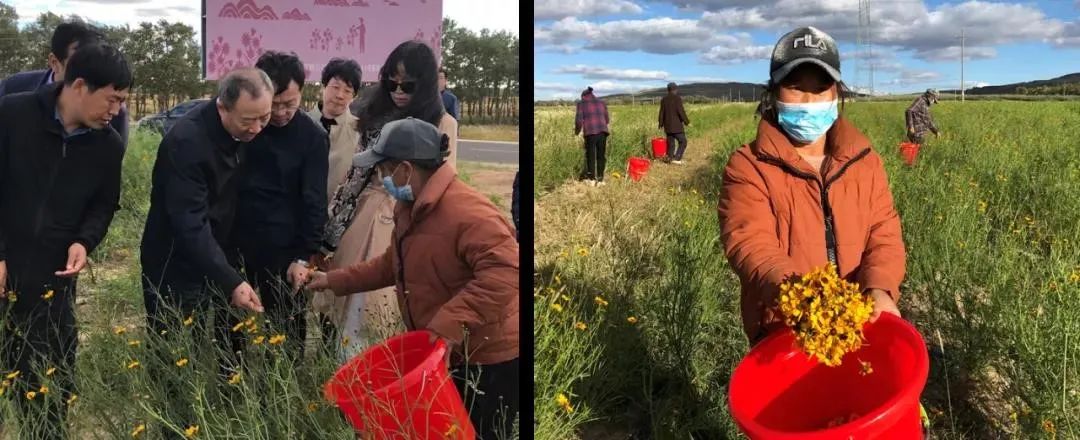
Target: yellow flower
column 189, row 320
column 119, row 330
column 556, row 307
column 48, row 295
column 277, row 339
column 631, row 320
column 565, row 298
column 181, row 362
column 564, row 402
column 258, row 340
column 454, row 428
column 867, row 369
column 312, row 407
column 344, row 341
column 134, row 343
column 564, row 254
column 141, row 428
column 30, row 395
column 234, row 379
column 191, row 431
column 982, row 206
column 50, row 371
column 600, row 301
column 616, row 174
column 43, row 390
column 12, row 296
column 12, row 375
column 581, row 326
column 133, row 365
column 582, row 252
column 1048, row 426
column 238, row 326
column 72, row 399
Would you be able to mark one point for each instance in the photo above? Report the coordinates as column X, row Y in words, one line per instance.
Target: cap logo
column 808, row 41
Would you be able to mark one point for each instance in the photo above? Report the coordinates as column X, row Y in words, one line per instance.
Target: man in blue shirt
column 66, row 39
column 453, row 106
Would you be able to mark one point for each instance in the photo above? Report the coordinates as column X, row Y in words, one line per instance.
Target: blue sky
column 622, row 46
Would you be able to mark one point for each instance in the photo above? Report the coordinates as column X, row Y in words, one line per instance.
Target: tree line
column 166, row 60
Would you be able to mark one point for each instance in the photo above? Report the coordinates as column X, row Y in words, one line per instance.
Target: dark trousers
column 493, row 408
column 170, row 338
column 595, row 157
column 39, row 334
column 671, row 138
column 284, row 310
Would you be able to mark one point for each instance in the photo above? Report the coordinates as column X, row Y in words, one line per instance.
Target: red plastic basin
column 401, row 389
column 777, row 392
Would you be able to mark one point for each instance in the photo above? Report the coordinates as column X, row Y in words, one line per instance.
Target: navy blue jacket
column 452, row 104
column 34, row 79
column 195, row 183
column 57, row 189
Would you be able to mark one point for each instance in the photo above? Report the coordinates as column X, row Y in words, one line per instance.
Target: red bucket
column 401, row 389
column 659, row 147
column 777, row 392
column 908, row 151
column 636, row 168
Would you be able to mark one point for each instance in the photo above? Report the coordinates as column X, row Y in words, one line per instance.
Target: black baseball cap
column 406, row 139
column 804, row 45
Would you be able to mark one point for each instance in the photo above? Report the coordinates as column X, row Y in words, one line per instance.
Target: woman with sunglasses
column 362, row 212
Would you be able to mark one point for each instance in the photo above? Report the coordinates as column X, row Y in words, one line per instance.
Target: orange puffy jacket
column 779, row 217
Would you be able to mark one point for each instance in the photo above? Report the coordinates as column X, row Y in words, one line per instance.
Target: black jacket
column 192, row 204
column 282, row 205
column 54, row 191
column 35, row 79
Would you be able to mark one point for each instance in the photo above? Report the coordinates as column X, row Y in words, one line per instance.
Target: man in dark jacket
column 672, row 118
column 282, row 205
column 592, row 120
column 917, row 117
column 187, row 274
column 60, row 185
column 66, row 39
column 450, row 101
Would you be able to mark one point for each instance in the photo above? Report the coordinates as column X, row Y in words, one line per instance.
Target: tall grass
column 992, row 227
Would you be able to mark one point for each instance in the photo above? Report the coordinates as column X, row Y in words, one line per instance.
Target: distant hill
column 1072, row 79
column 736, row 91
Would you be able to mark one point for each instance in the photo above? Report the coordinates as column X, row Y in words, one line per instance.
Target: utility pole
column 963, row 85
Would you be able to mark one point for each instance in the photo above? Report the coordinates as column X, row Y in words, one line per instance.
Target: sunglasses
column 406, row 86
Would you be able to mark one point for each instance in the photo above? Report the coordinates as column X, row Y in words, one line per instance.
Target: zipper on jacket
column 826, row 208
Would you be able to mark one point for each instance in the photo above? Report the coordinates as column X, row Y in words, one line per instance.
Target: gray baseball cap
column 406, row 139
column 804, row 45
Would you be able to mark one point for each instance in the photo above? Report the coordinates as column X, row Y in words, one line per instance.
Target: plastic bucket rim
column 889, row 407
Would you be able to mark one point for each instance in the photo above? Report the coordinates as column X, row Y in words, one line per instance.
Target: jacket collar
column 47, row 97
column 433, row 192
column 842, row 142
column 213, row 120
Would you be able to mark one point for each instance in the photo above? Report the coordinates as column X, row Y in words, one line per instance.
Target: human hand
column 882, row 303
column 297, row 274
column 432, row 337
column 318, row 281
column 75, row 263
column 3, row 279
column 244, row 297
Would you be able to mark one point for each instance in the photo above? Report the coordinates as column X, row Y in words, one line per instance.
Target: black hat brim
column 781, row 73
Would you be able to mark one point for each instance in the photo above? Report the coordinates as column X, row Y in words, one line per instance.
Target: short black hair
column 72, row 32
column 671, row 86
column 282, row 67
column 343, row 69
column 100, row 65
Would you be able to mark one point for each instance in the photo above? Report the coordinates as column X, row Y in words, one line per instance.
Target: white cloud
column 657, row 35
column 557, row 87
column 606, row 73
column 607, row 87
column 734, row 49
column 559, row 9
column 974, row 84
column 910, row 77
column 1070, row 35
column 952, row 53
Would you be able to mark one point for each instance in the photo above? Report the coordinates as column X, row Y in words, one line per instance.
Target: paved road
column 488, row 151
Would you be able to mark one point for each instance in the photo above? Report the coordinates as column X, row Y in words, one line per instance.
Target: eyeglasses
column 406, row 86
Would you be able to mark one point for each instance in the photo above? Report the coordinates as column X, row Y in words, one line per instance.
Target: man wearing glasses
column 282, row 203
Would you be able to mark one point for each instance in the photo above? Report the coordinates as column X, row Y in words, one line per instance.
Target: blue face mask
column 403, row 193
column 807, row 122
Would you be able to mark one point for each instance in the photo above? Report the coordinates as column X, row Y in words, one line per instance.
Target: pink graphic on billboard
column 238, row 31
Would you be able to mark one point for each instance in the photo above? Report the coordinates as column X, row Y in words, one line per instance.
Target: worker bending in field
column 918, row 117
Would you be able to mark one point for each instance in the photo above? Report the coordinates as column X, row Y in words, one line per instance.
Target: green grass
column 990, row 220
column 272, row 400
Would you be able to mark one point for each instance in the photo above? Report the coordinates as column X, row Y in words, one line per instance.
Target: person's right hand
column 244, row 297
column 318, row 281
column 3, row 279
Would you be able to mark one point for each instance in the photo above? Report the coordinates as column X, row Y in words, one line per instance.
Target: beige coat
column 364, row 318
column 343, row 141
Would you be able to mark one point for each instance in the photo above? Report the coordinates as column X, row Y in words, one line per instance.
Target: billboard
column 236, row 32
